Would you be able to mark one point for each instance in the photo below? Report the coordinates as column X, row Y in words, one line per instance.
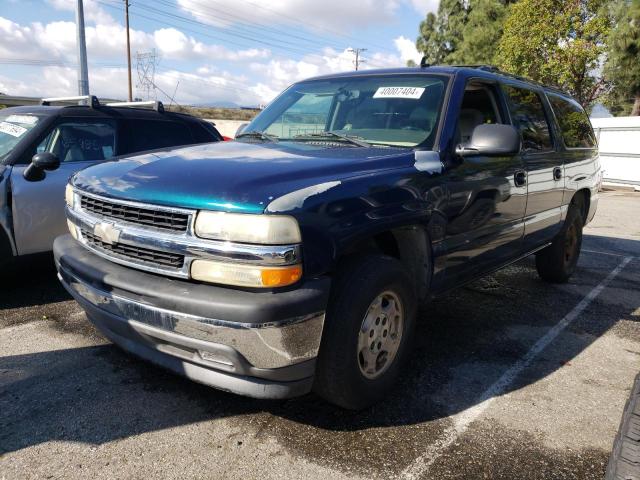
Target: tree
column 622, row 69
column 558, row 42
column 481, row 33
column 440, row 34
column 463, row 32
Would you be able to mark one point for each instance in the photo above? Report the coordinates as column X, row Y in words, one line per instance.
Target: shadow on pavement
column 464, row 342
column 30, row 281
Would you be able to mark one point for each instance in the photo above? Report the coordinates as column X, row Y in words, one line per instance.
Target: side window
column 479, row 106
column 573, row 121
column 79, row 141
column 308, row 115
column 529, row 117
column 204, row 133
column 151, row 134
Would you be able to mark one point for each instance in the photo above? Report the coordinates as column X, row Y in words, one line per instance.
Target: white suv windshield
column 397, row 110
column 13, row 128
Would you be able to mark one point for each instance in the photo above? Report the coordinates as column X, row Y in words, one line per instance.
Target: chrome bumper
column 199, row 340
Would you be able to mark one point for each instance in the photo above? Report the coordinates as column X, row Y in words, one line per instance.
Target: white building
column 619, row 142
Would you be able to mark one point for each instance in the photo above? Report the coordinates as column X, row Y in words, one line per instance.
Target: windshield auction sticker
column 399, row 92
column 25, row 119
column 11, row 129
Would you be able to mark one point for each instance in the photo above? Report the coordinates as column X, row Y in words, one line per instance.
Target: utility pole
column 83, row 73
column 358, row 60
column 126, row 20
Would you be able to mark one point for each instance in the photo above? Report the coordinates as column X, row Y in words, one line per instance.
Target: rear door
column 543, row 164
column 38, row 207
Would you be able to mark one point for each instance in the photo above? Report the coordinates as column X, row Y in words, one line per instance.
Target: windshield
column 12, row 129
column 399, row 110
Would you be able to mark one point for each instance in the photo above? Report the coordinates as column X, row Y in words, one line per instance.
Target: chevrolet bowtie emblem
column 107, row 233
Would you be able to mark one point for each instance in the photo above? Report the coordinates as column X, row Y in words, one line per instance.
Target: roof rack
column 92, row 100
column 157, row 105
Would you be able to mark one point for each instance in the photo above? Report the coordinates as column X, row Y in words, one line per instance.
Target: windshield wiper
column 334, row 135
column 259, row 135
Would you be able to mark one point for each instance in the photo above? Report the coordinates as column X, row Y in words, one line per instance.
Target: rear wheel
column 557, row 262
column 367, row 333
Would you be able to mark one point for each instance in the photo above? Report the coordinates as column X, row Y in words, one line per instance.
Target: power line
column 207, row 34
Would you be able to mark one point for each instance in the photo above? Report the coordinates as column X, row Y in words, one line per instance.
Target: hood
column 234, row 176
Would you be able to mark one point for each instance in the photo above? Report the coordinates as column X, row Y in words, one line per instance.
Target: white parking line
column 462, row 420
column 604, row 253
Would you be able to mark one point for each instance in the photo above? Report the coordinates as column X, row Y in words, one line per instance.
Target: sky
column 217, row 52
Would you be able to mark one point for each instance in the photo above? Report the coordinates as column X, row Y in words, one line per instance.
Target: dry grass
column 217, row 113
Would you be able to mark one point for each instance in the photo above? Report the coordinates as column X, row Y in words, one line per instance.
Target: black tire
column 557, row 262
column 624, row 462
column 339, row 378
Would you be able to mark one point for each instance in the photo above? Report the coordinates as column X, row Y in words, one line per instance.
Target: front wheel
column 367, row 333
column 557, row 262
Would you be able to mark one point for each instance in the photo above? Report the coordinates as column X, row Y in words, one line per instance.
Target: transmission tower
column 146, row 63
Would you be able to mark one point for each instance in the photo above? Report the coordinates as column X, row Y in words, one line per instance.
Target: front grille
column 135, row 254
column 172, row 221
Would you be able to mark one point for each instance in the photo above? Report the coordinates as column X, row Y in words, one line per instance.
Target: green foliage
column 622, row 69
column 463, row 32
column 481, row 33
column 557, row 42
column 440, row 34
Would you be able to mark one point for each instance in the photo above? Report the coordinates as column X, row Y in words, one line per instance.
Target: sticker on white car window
column 24, row 119
column 399, row 92
column 11, row 129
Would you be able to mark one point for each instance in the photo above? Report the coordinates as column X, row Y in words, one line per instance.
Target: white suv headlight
column 248, row 228
column 69, row 195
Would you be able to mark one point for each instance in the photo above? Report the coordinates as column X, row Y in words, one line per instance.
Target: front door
column 38, row 207
column 544, row 165
column 487, row 200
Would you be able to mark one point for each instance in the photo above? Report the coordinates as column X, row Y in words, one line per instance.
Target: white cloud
column 327, row 14
column 57, row 41
column 258, row 75
column 407, row 49
column 425, row 6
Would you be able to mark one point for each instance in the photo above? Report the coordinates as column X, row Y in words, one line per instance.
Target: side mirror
column 492, row 140
column 40, row 163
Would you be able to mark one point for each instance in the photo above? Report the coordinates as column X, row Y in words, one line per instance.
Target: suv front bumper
column 259, row 344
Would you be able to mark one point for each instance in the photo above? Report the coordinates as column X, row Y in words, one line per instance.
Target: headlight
column 245, row 275
column 246, row 228
column 69, row 195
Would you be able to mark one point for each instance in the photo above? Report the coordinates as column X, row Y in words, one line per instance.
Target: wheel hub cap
column 380, row 334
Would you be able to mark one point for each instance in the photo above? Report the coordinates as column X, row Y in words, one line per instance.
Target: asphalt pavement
column 510, row 378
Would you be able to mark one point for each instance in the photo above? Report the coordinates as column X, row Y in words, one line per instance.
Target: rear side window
column 573, row 121
column 81, row 141
column 204, row 133
column 148, row 135
column 528, row 116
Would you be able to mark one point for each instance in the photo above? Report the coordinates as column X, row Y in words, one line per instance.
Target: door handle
column 557, row 173
column 520, row 178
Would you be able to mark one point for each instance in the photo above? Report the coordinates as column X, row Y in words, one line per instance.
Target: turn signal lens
column 72, row 229
column 245, row 275
column 281, row 276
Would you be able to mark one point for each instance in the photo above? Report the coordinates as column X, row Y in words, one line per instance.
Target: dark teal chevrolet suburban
column 294, row 258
